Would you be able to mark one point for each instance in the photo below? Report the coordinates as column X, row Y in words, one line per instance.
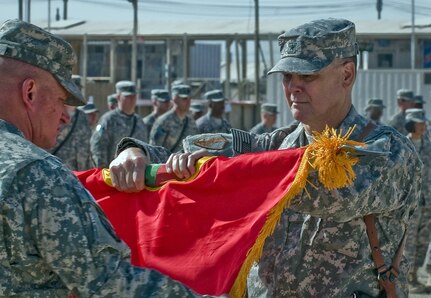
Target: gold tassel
column 335, row 170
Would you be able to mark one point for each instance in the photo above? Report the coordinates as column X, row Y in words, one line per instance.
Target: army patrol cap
column 197, row 107
column 214, row 95
column 312, row 46
column 125, row 88
column 269, row 108
column 419, row 99
column 181, row 90
column 405, row 94
column 33, row 45
column 112, row 98
column 160, row 95
column 89, row 108
column 375, row 103
column 416, row 115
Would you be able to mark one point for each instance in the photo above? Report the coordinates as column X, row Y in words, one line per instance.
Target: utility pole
column 20, row 9
column 413, row 38
column 256, row 51
column 379, row 7
column 27, row 12
column 49, row 15
column 65, row 9
column 134, row 40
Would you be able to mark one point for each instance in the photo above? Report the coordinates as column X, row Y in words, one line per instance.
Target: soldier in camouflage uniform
column 374, row 110
column 213, row 121
column 172, row 127
column 406, row 100
column 419, row 235
column 268, row 117
column 73, row 141
column 112, row 102
column 161, row 104
column 54, row 239
column 117, row 124
column 197, row 110
column 320, row 247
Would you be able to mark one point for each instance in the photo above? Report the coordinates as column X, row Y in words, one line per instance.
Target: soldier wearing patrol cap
column 268, row 116
column 91, row 111
column 374, row 110
column 320, row 247
column 112, row 102
column 73, row 140
column 171, row 128
column 406, row 100
column 54, row 240
column 197, row 109
column 213, row 121
column 161, row 103
column 419, row 102
column 419, row 233
column 117, row 124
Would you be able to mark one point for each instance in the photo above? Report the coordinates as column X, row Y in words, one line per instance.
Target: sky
column 172, row 10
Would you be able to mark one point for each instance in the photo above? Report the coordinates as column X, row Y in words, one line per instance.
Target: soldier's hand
column 183, row 164
column 128, row 170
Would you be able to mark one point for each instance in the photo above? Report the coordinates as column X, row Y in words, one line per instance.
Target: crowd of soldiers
column 410, row 120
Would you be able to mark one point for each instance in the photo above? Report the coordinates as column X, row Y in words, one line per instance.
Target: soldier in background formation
column 374, row 110
column 419, row 233
column 197, row 110
column 268, row 116
column 171, row 128
column 73, row 141
column 92, row 112
column 406, row 100
column 213, row 121
column 161, row 104
column 419, row 102
column 117, row 124
column 112, row 102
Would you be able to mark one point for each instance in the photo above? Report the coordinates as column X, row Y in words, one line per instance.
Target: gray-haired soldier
column 54, row 239
column 161, row 103
column 320, row 247
column 171, row 128
column 405, row 100
column 213, row 121
column 117, row 124
column 268, row 116
column 419, row 233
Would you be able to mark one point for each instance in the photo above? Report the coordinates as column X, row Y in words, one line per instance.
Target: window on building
column 385, row 60
column 98, row 59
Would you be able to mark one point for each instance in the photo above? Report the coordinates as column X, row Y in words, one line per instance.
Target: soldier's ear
column 349, row 73
column 28, row 92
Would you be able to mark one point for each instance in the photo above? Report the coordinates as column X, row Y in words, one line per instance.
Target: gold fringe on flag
column 335, row 170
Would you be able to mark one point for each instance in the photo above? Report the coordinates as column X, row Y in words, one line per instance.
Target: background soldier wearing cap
column 197, row 110
column 73, row 140
column 419, row 233
column 419, row 102
column 213, row 121
column 117, row 124
column 405, row 99
column 374, row 110
column 161, row 104
column 91, row 111
column 171, row 128
column 54, row 239
column 112, row 102
column 320, row 247
column 268, row 117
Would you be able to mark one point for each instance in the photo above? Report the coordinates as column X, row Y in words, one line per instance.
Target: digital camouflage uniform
column 54, row 239
column 260, row 128
column 149, row 121
column 168, row 131
column 320, row 247
column 398, row 122
column 419, row 235
column 73, row 143
column 208, row 124
column 111, row 128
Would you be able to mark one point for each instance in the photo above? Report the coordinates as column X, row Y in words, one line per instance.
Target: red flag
column 207, row 232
